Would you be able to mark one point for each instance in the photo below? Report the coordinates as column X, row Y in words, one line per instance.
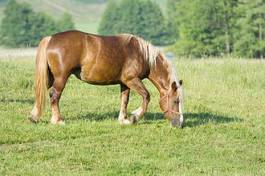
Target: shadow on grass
column 96, row 116
column 195, row 119
column 23, row 101
column 191, row 119
column 198, row 119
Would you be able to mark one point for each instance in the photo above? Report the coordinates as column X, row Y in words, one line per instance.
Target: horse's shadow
column 191, row 119
column 202, row 118
column 196, row 119
column 10, row 100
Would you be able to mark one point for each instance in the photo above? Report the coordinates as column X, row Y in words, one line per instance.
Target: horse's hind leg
column 136, row 84
column 125, row 92
column 55, row 95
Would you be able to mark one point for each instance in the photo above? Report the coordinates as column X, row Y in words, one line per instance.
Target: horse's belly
column 99, row 75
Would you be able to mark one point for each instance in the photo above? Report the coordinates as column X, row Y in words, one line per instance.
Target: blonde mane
column 171, row 70
column 149, row 51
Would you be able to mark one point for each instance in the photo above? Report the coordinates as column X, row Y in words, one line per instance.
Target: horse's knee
column 54, row 95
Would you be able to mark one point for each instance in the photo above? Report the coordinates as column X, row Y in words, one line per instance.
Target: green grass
column 224, row 130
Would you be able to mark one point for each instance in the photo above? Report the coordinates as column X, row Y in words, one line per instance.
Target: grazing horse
column 103, row 60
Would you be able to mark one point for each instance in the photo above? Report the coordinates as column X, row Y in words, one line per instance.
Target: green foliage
column 109, row 19
column 251, row 36
column 65, row 22
column 172, row 15
column 140, row 17
column 203, row 28
column 223, row 133
column 218, row 27
column 21, row 26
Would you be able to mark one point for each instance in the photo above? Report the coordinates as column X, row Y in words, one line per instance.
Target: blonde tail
column 41, row 79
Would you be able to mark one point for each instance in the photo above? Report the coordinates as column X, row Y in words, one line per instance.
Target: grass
column 224, row 126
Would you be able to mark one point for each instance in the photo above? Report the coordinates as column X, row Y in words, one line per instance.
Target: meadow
column 224, row 131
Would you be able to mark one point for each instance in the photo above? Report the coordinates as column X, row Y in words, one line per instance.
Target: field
column 223, row 135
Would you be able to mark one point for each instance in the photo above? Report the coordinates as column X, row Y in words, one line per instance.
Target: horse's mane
column 149, row 51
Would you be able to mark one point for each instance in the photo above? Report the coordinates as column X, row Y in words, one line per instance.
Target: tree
column 12, row 32
column 41, row 25
column 109, row 19
column 140, row 17
column 172, row 15
column 250, row 40
column 230, row 17
column 205, row 27
column 21, row 26
column 65, row 22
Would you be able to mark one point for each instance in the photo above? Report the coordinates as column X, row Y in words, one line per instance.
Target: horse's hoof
column 32, row 120
column 60, row 122
column 125, row 122
column 57, row 122
column 134, row 119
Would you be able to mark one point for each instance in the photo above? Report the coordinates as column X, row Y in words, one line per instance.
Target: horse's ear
column 174, row 86
column 180, row 82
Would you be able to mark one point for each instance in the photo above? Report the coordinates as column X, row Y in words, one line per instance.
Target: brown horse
column 103, row 60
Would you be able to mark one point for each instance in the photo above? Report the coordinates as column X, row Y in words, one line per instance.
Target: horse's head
column 172, row 104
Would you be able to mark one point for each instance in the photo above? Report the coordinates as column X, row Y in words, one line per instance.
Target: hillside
column 86, row 13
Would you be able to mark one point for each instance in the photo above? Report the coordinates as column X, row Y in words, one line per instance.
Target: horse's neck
column 160, row 75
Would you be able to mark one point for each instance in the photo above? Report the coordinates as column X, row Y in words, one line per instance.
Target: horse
column 123, row 59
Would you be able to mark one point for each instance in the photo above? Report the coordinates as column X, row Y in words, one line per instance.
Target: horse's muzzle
column 177, row 122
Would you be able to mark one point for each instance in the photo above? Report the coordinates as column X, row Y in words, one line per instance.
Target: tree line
column 141, row 17
column 195, row 28
column 219, row 27
column 21, row 26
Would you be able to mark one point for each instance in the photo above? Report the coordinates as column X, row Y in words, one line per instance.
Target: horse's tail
column 41, row 75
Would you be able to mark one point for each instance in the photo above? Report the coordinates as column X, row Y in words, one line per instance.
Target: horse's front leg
column 125, row 93
column 136, row 84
